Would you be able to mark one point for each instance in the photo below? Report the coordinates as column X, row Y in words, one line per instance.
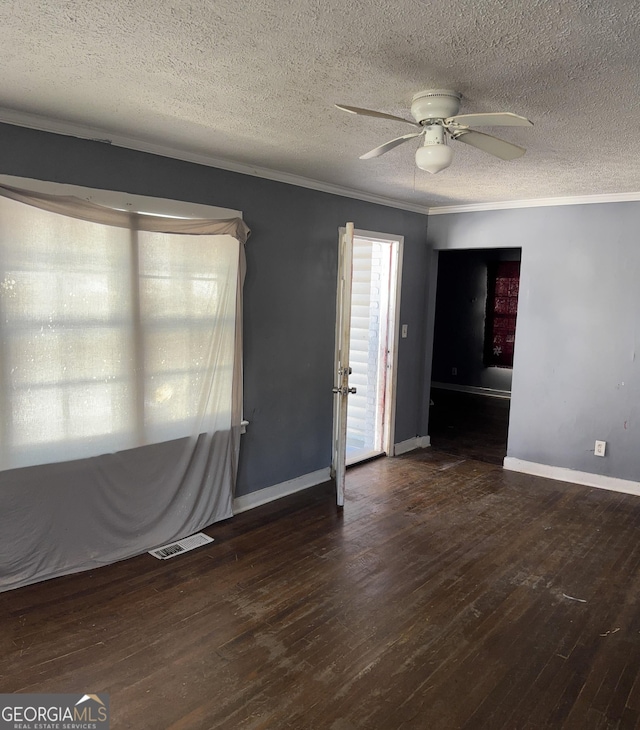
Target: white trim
column 358, row 458
column 389, row 430
column 57, row 126
column 377, row 237
column 417, row 442
column 477, row 390
column 71, row 129
column 95, row 134
column 570, row 475
column 537, row 203
column 269, row 494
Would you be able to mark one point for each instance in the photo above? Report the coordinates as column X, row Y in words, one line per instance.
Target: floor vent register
column 180, row 546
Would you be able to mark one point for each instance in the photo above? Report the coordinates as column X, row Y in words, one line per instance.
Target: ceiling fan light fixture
column 434, row 155
column 434, row 158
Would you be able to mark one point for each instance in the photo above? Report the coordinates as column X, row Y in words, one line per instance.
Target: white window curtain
column 120, row 381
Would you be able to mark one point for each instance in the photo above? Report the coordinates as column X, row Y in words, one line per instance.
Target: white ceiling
column 255, row 83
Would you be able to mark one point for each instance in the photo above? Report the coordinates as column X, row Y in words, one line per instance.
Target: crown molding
column 537, row 203
column 71, row 129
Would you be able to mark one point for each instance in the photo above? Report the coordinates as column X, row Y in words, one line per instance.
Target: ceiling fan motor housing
column 435, row 104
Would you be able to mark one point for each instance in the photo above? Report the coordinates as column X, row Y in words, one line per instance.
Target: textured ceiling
column 255, row 83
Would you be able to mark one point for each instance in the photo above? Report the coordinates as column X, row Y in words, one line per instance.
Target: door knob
column 344, row 390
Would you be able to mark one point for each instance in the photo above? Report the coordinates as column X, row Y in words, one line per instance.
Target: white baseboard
column 277, row 491
column 571, row 475
column 475, row 389
column 417, row 442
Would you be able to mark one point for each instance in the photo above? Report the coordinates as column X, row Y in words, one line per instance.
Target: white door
column 341, row 387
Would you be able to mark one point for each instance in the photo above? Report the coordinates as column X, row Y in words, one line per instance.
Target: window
column 111, row 338
column 186, row 285
column 120, row 340
column 503, row 283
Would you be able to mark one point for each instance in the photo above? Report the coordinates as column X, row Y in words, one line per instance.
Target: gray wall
column 459, row 330
column 289, row 314
column 576, row 374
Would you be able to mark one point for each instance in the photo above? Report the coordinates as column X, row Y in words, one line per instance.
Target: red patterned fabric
column 502, row 308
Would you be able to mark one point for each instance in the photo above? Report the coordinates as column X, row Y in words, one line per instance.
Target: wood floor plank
column 436, row 599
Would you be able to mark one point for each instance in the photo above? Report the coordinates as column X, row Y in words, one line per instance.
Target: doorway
column 373, row 352
column 473, row 345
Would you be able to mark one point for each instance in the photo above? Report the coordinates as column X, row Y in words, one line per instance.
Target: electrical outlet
column 601, row 447
column 454, row 371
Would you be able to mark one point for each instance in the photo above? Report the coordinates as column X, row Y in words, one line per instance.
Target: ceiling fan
column 436, row 113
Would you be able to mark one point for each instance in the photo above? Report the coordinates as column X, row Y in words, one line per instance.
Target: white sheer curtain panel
column 120, row 381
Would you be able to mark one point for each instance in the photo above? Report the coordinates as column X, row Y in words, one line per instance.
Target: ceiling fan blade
column 498, row 119
column 485, row 142
column 389, row 146
column 371, row 113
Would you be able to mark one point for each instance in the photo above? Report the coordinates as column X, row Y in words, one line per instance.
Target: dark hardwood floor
column 441, row 597
column 470, row 425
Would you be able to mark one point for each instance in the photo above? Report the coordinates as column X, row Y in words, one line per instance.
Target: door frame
column 393, row 331
column 433, row 282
